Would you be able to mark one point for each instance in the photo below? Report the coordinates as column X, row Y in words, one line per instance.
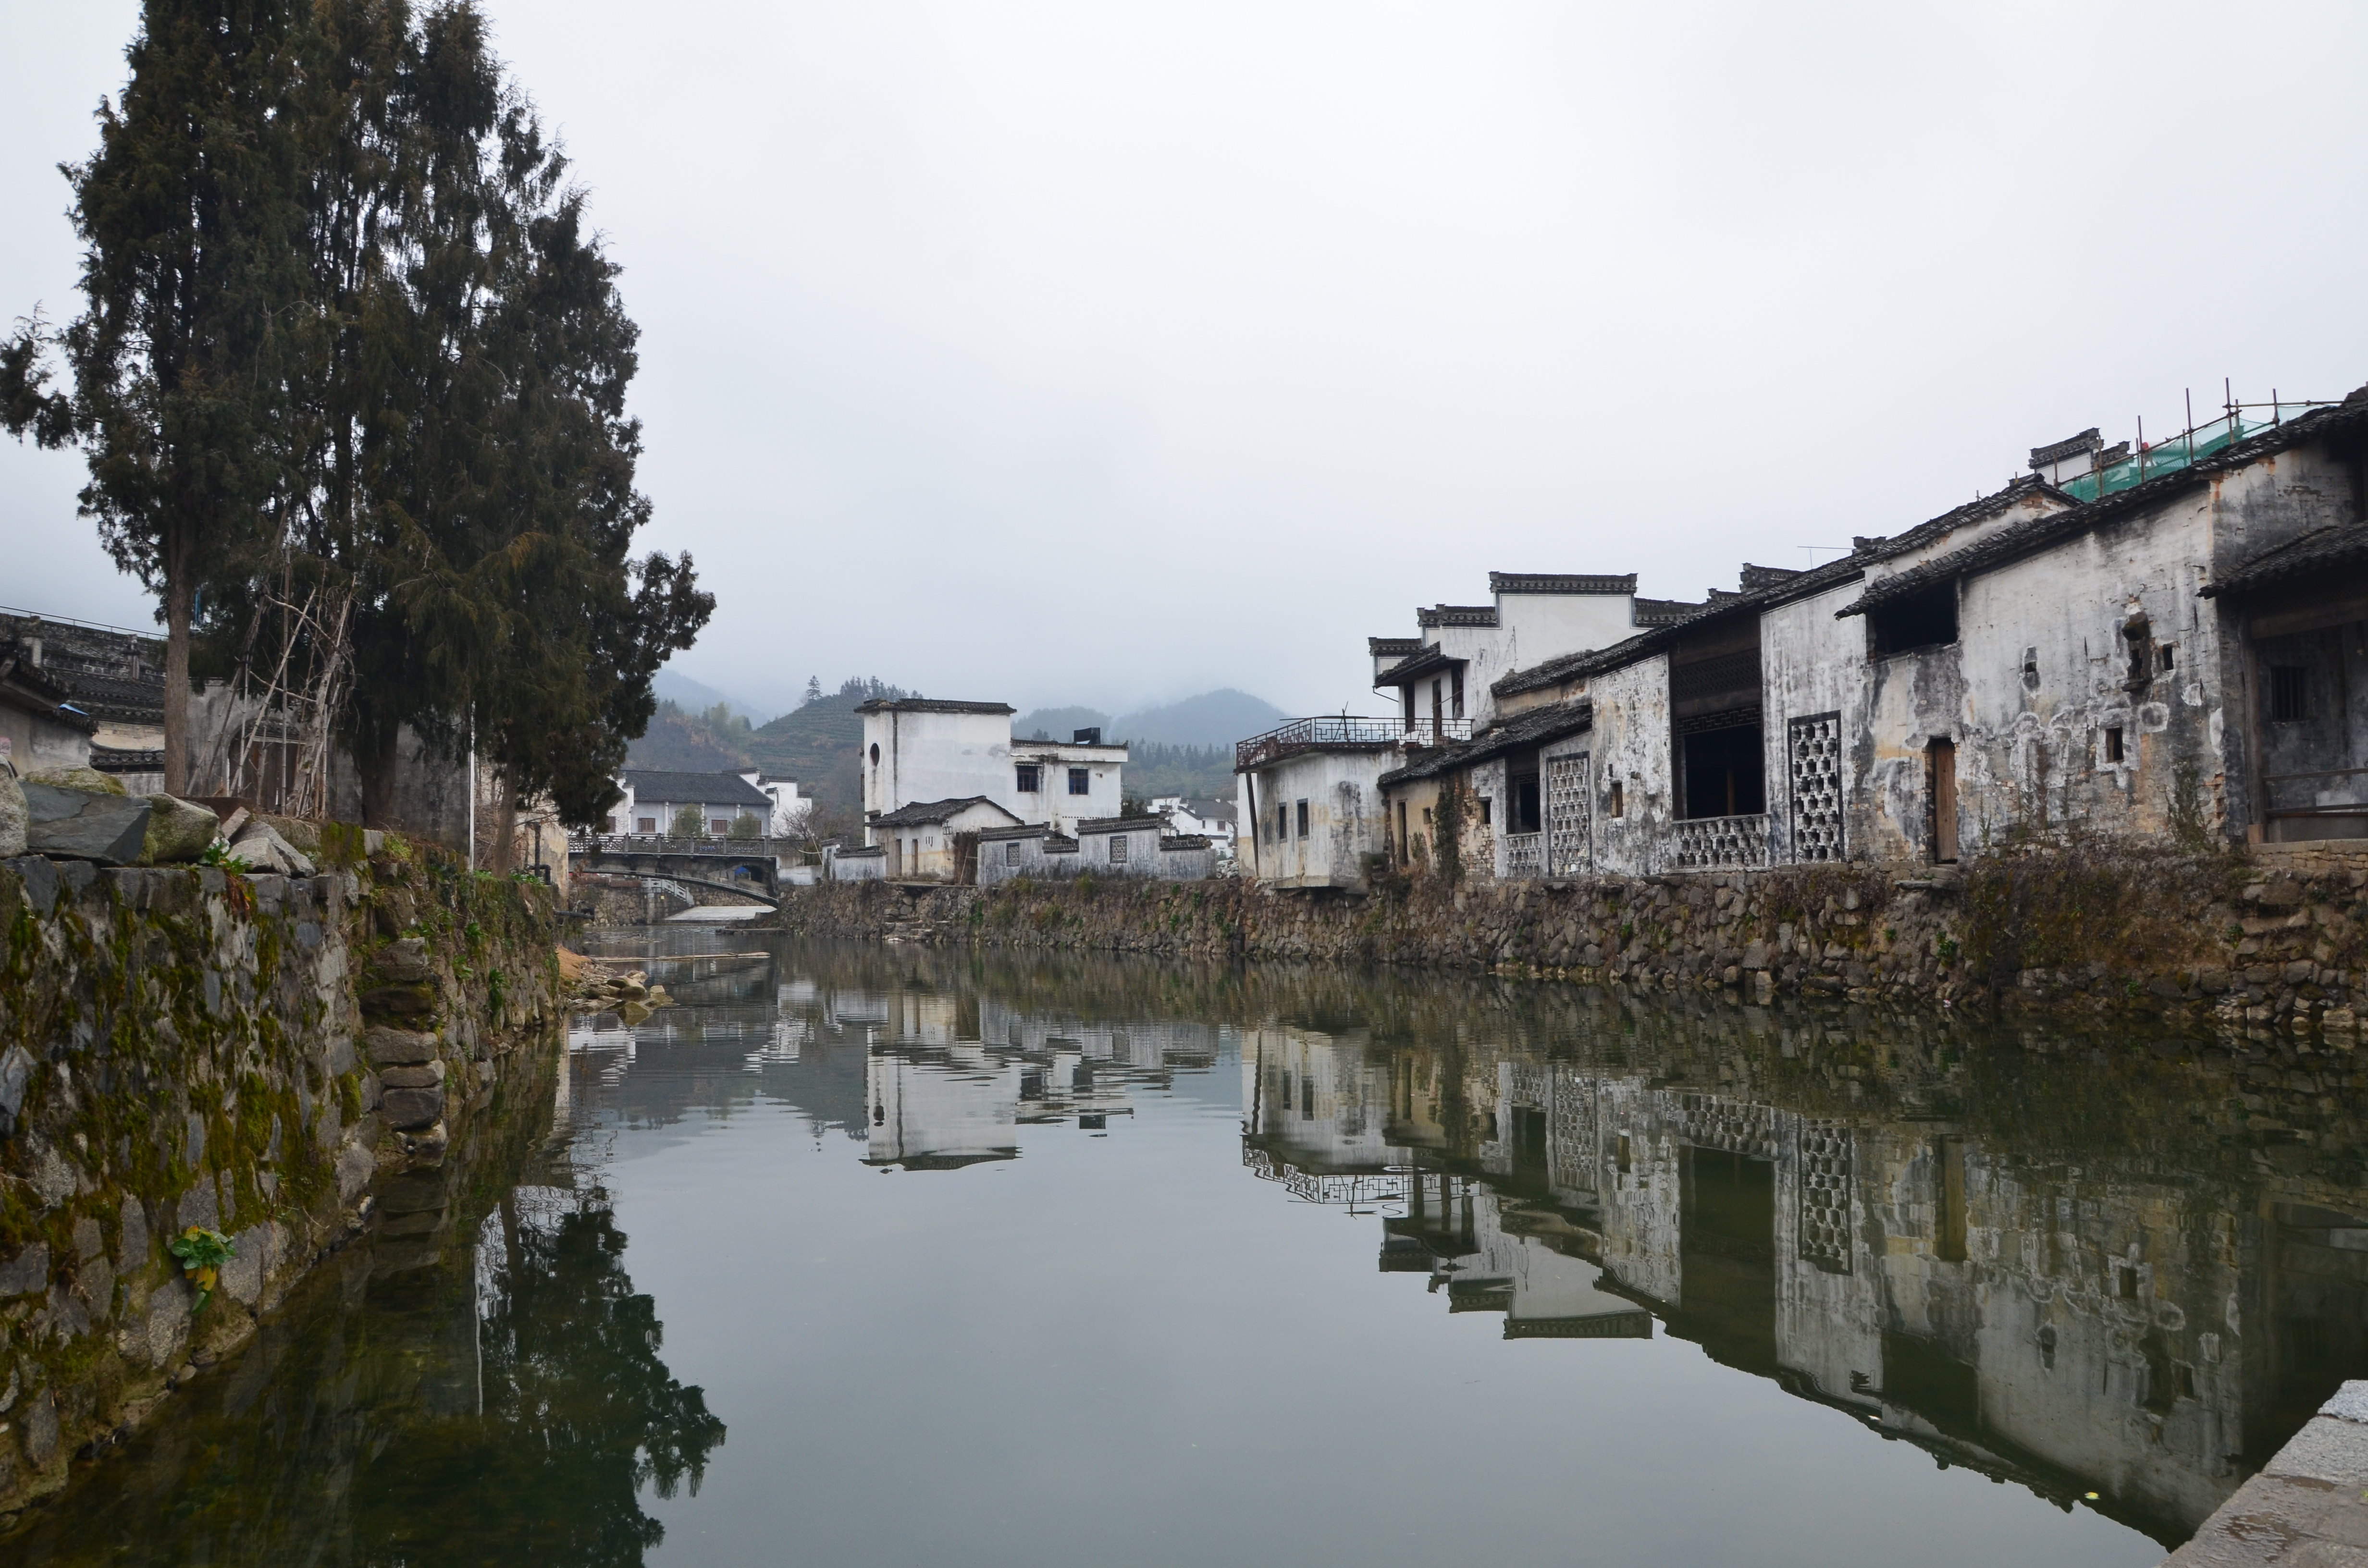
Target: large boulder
column 81, row 824
column 88, row 778
column 261, row 846
column 178, row 830
column 12, row 816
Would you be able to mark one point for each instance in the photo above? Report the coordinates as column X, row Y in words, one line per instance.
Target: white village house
column 656, row 797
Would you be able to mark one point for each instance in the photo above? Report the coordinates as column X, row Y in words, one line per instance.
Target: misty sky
column 1104, row 353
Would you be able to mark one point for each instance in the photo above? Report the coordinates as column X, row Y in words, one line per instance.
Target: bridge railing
column 790, row 850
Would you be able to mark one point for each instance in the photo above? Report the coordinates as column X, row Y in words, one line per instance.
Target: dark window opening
column 2031, row 669
column 1281, row 819
column 1618, row 805
column 1457, row 695
column 1530, row 1137
column 1032, row 778
column 1306, row 1096
column 1081, row 783
column 1521, row 801
column 1484, row 810
column 1921, row 1374
column 1619, row 1158
column 2139, row 633
column 875, row 754
column 2166, row 657
column 2047, row 1347
column 1407, row 692
column 2113, row 744
column 1725, row 772
column 1404, row 852
column 1303, row 819
column 1926, row 620
column 1949, row 1239
column 2289, row 694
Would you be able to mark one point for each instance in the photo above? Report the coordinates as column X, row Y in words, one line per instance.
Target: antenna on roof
column 1813, row 549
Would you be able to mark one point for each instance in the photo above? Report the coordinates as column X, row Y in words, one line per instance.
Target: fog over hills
column 1212, row 718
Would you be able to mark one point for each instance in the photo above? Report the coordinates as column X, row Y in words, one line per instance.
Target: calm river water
column 887, row 1256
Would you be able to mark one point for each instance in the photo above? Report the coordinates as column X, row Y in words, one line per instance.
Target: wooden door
column 1944, row 800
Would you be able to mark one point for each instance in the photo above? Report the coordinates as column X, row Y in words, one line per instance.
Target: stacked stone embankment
column 2276, row 939
column 190, row 1046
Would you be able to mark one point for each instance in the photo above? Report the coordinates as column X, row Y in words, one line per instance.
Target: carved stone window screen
column 1570, row 816
column 1814, row 758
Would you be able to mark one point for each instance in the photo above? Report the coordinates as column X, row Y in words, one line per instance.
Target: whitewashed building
column 936, row 841
column 1201, row 818
column 925, row 749
column 655, row 797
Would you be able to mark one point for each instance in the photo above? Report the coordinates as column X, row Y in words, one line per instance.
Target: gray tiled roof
column 1520, row 733
column 2339, row 545
column 2036, row 534
column 930, row 705
column 660, row 786
column 918, row 814
column 1560, row 583
column 1777, row 590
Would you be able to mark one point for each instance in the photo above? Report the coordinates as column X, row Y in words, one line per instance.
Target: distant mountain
column 709, row 741
column 820, row 744
column 697, row 697
column 1059, row 723
column 1212, row 718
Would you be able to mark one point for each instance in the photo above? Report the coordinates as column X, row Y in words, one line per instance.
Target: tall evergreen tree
column 177, row 372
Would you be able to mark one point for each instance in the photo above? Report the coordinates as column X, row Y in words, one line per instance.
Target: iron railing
column 1719, row 844
column 1340, row 732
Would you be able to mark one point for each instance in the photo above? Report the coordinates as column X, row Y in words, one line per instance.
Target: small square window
column 1484, row 810
column 649, row 825
column 1030, row 777
column 1012, row 852
column 2289, row 694
column 1303, row 819
column 1081, row 781
column 1117, row 849
column 718, row 825
column 2113, row 744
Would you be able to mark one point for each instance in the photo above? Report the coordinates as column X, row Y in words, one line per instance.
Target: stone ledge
column 2306, row 1509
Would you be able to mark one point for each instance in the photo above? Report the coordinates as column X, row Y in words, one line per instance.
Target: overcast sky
column 1105, row 353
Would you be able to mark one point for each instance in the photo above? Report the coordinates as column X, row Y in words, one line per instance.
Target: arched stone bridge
column 747, row 867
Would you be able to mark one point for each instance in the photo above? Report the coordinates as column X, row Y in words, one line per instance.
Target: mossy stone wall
column 188, row 1046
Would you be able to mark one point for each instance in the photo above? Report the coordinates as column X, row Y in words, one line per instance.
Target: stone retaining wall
column 246, row 1054
column 2277, row 940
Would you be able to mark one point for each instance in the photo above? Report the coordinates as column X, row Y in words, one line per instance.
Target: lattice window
column 1823, row 1236
column 1718, row 844
column 1569, row 816
column 1815, row 749
column 1737, row 1127
column 1570, row 1134
column 1525, row 854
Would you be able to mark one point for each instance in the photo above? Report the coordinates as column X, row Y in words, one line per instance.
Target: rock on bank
column 187, row 1047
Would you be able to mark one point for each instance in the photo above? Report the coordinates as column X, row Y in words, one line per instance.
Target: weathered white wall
column 936, row 757
column 1811, row 663
column 1343, row 806
column 1631, row 743
column 1052, row 804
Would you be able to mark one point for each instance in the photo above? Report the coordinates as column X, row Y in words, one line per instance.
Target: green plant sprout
column 203, row 1253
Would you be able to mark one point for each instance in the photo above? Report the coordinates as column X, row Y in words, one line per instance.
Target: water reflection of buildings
column 2108, row 1326
column 952, row 1078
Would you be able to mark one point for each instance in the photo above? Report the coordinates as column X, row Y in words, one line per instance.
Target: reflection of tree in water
column 419, row 1416
column 579, row 1410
